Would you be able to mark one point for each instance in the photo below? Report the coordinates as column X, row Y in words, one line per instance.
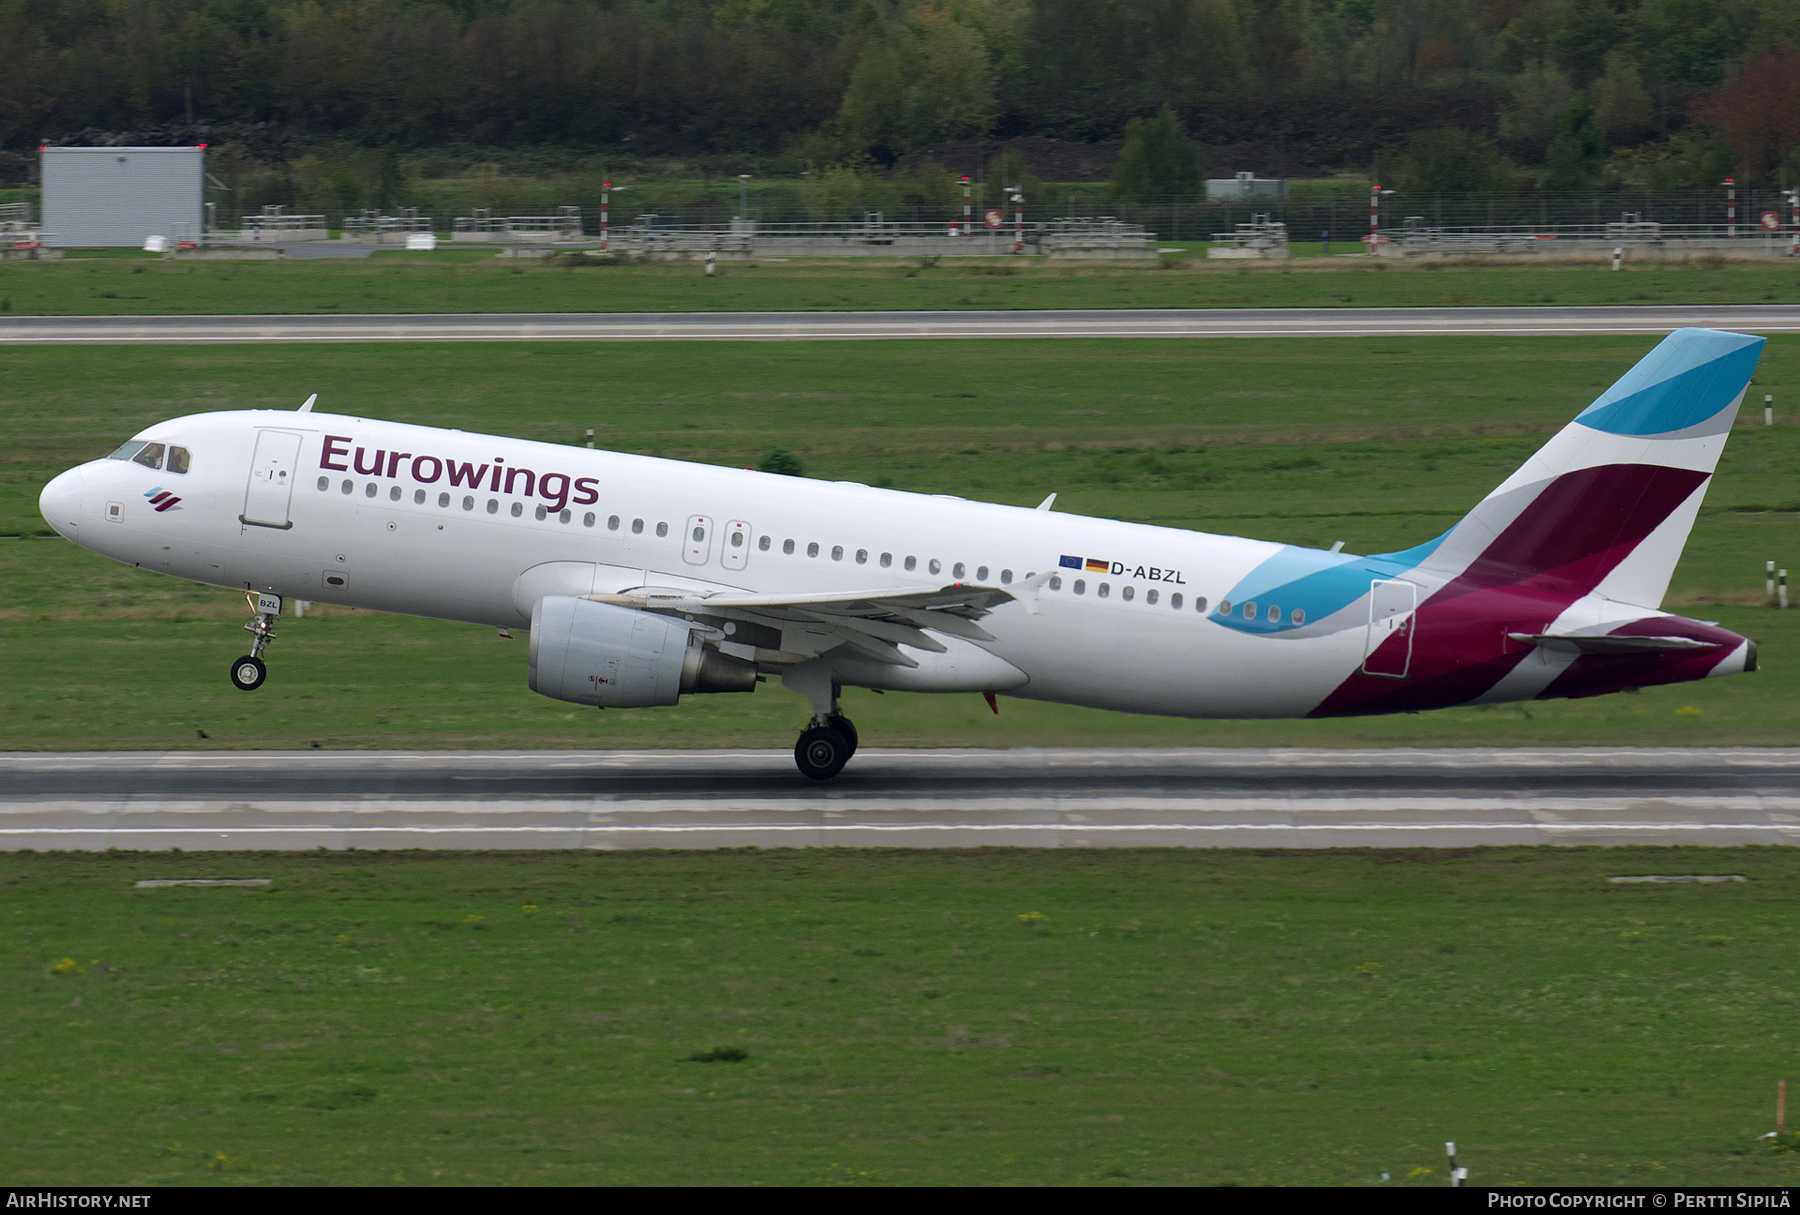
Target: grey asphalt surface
column 949, row 798
column 850, row 326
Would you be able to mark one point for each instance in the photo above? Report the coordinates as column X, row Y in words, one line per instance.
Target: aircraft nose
column 60, row 504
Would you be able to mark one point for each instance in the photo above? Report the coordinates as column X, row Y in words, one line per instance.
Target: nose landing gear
column 248, row 672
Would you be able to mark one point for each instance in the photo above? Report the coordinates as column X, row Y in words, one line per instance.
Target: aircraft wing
column 874, row 622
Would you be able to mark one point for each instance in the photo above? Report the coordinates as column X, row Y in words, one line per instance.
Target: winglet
column 307, row 408
column 1045, row 504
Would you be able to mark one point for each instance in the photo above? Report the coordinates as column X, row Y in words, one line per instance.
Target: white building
column 107, row 197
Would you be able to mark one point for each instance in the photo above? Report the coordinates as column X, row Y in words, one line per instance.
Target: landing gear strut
column 248, row 672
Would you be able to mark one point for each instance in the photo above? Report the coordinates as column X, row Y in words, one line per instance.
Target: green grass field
column 474, row 280
column 1258, row 437
column 881, row 1018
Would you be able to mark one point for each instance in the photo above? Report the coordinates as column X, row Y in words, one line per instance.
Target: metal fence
column 1308, row 210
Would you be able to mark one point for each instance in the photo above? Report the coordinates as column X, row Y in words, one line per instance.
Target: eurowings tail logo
column 161, row 498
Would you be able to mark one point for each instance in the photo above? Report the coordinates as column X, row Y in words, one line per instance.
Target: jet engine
column 619, row 658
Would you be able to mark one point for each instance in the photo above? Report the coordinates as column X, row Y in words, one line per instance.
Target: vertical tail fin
column 1606, row 505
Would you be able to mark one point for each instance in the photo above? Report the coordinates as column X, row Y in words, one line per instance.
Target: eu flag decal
column 1070, row 563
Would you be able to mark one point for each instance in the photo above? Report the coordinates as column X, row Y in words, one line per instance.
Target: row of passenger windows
column 1297, row 616
column 1104, row 590
column 933, row 566
column 1128, row 593
column 958, row 571
column 588, row 518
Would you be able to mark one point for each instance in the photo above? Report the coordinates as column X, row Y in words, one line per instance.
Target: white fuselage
column 399, row 537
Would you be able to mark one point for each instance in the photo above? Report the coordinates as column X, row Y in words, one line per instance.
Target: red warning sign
column 992, row 217
column 1771, row 221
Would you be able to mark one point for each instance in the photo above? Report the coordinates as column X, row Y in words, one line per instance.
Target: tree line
column 1451, row 90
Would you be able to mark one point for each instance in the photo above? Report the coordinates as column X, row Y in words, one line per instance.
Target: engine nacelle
column 618, row 658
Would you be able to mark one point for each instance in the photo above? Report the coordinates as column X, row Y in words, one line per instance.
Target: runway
column 1073, row 797
column 855, row 326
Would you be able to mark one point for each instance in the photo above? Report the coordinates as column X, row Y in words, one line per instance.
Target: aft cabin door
column 1388, row 650
column 272, row 473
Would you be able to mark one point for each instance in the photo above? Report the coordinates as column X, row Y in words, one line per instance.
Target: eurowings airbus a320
column 642, row 580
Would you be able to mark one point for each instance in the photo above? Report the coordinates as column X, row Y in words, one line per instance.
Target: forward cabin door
column 1388, row 651
column 272, row 473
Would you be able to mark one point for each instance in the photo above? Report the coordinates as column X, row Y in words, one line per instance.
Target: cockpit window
column 128, row 450
column 150, row 457
column 178, row 459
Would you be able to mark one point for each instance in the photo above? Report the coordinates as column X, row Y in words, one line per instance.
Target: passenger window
column 637, row 527
column 662, row 529
column 418, row 496
column 1080, row 587
column 178, row 459
column 1055, row 583
column 812, row 550
column 324, row 484
column 493, row 506
column 541, row 512
column 1150, row 596
column 443, row 499
column 587, row 520
column 787, row 546
column 1127, row 593
column 737, row 539
column 912, row 563
column 935, row 566
column 862, row 556
column 1005, row 577
column 371, row 489
column 150, row 457
column 1250, row 610
column 1299, row 616
column 1175, row 601
column 349, row 485
column 1200, row 604
column 518, row 509
column 1224, row 606
column 981, row 574
column 468, row 503
column 887, row 559
column 612, row 523
column 956, row 571
column 837, row 552
column 394, row 493
column 1274, row 615
column 763, row 544
column 699, row 534
column 1104, row 589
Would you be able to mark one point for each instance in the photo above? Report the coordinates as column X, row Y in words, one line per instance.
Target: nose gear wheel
column 248, row 673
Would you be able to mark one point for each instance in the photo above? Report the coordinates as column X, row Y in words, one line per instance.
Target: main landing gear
column 248, row 672
column 827, row 744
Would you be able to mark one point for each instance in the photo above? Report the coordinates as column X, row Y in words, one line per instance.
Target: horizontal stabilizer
column 1594, row 643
